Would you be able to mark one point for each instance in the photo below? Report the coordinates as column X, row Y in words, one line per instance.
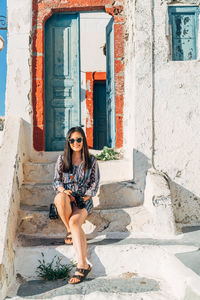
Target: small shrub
column 54, row 269
column 107, row 154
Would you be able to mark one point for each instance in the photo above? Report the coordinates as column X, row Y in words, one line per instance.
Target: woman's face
column 76, row 141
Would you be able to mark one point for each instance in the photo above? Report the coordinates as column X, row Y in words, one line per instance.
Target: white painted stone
column 118, row 194
column 174, row 87
column 135, row 219
column 18, row 56
column 110, row 171
column 149, row 261
column 157, row 199
column 11, row 177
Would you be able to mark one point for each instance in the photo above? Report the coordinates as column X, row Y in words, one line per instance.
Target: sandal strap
column 84, row 271
column 77, row 276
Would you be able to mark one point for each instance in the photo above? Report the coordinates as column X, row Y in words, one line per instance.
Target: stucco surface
column 11, row 177
column 18, row 58
column 169, row 92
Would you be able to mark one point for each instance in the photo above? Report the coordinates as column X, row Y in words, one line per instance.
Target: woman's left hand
column 85, row 198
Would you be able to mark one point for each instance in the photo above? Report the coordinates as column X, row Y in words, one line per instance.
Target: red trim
column 42, row 10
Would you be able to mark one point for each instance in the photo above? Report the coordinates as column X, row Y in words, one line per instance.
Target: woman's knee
column 60, row 199
column 74, row 222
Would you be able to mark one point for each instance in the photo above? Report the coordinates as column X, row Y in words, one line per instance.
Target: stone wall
column 11, row 177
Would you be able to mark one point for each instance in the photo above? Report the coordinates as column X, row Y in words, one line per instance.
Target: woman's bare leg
column 63, row 205
column 79, row 239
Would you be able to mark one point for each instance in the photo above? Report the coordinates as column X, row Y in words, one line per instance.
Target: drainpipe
column 153, row 83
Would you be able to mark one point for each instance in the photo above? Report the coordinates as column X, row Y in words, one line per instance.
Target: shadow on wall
column 186, row 205
column 140, row 166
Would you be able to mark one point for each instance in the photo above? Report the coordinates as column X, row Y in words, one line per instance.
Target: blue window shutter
column 184, row 28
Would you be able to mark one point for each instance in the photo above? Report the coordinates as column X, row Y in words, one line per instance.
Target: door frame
column 41, row 12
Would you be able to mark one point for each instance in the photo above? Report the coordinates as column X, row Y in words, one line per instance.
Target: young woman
column 76, row 171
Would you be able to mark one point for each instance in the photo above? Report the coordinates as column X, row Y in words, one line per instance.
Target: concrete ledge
column 157, row 200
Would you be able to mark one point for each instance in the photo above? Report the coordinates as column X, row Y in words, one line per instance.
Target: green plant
column 107, row 154
column 54, row 269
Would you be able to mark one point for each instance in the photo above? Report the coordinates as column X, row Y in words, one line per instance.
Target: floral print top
column 85, row 183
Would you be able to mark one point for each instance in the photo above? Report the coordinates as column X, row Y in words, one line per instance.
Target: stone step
column 138, row 267
column 110, row 195
column 35, row 220
column 110, row 171
column 102, row 288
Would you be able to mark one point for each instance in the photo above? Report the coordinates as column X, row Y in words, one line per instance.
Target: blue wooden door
column 62, row 78
column 110, row 85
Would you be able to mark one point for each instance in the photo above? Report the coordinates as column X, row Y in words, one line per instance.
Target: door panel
column 100, row 122
column 110, row 85
column 62, row 78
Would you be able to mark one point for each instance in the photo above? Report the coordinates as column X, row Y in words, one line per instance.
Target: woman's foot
column 68, row 239
column 80, row 274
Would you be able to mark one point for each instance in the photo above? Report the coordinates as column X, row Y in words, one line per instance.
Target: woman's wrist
column 61, row 189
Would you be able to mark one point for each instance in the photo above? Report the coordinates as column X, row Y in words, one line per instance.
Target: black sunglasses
column 78, row 140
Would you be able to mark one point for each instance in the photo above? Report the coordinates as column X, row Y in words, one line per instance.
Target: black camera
column 79, row 200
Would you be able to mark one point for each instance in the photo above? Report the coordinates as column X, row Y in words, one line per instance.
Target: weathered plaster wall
column 137, row 114
column 174, row 90
column 18, row 102
column 177, row 112
column 11, row 177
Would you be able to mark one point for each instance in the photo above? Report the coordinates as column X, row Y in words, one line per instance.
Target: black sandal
column 68, row 240
column 84, row 273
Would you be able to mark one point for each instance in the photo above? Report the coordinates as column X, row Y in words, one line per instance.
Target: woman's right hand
column 69, row 192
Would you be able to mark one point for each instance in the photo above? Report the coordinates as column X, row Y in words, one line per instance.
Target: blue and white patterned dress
column 85, row 183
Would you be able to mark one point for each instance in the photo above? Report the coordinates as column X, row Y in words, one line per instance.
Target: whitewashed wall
column 18, row 59
column 176, row 107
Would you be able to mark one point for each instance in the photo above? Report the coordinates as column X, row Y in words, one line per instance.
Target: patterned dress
column 85, row 183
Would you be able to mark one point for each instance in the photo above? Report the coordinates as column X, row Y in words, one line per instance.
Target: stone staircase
column 116, row 262
column 118, row 199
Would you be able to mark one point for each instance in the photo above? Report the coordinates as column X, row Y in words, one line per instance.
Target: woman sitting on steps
column 76, row 171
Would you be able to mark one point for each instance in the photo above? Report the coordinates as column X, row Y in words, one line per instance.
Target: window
column 184, row 28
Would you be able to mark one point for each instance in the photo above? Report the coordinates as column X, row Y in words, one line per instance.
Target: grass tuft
column 55, row 269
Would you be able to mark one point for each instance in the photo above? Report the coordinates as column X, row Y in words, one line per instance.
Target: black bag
column 53, row 213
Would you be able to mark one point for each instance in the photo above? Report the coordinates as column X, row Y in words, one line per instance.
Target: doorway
column 100, row 118
column 77, row 44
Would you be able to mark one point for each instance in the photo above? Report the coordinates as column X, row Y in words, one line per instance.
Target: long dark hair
column 67, row 165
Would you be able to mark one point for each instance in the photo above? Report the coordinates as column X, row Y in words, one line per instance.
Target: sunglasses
column 78, row 140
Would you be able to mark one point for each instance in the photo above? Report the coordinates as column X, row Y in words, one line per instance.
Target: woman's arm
column 93, row 184
column 58, row 180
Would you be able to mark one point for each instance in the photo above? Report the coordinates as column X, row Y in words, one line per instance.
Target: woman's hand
column 85, row 198
column 69, row 193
